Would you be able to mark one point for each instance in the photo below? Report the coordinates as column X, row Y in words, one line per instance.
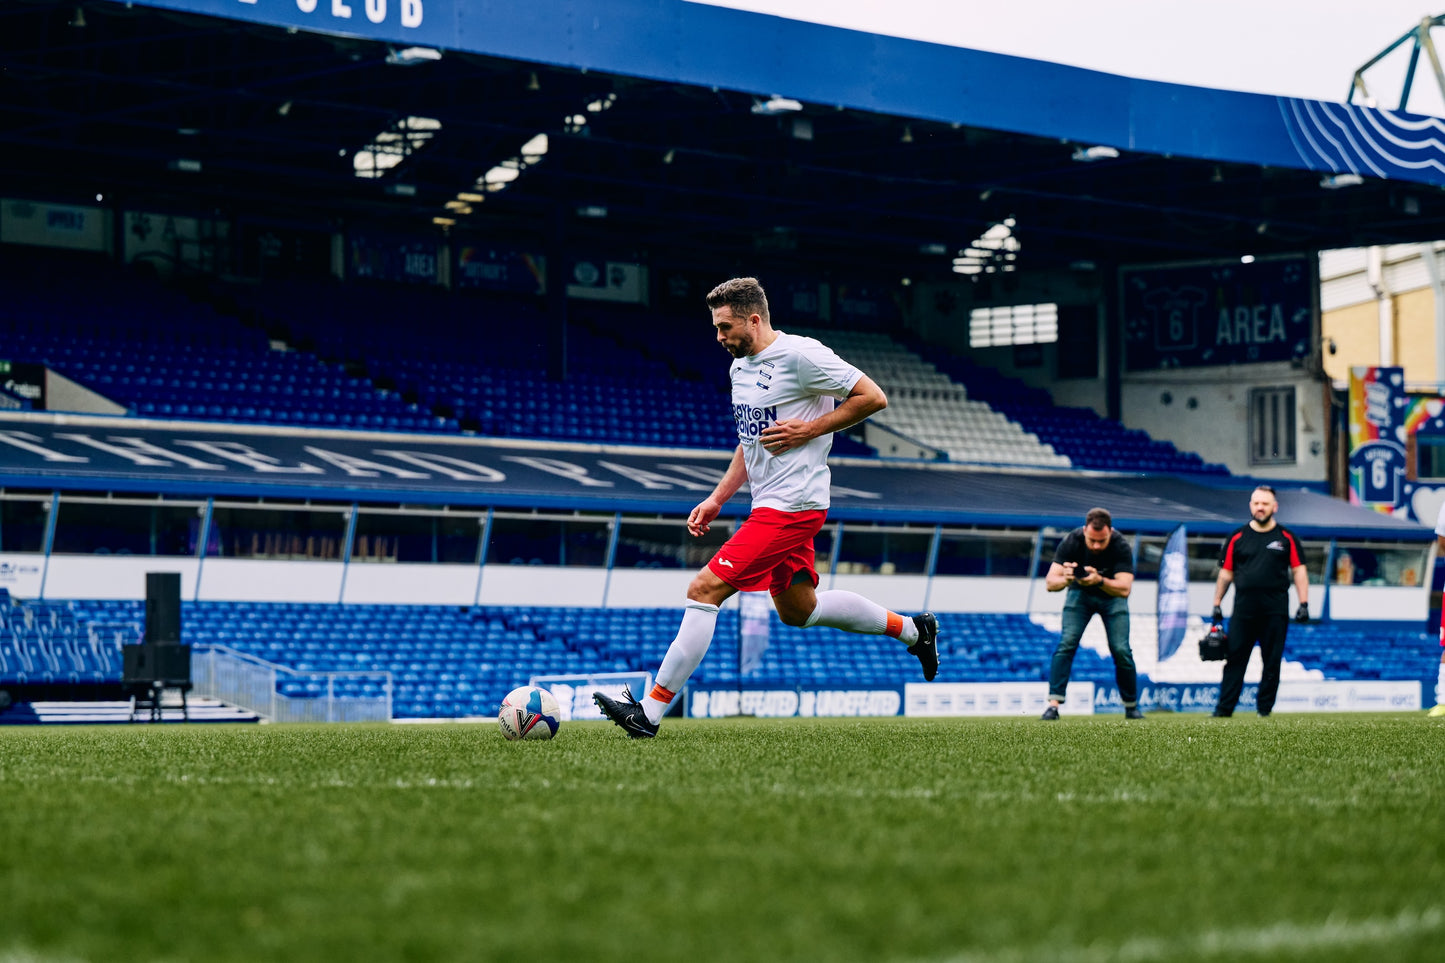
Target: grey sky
column 1301, row 48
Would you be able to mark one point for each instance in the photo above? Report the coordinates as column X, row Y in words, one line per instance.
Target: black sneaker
column 1051, row 714
column 926, row 648
column 1133, row 713
column 627, row 713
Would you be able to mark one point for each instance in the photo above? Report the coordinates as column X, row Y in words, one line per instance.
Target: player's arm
column 1221, row 586
column 700, row 519
column 865, row 398
column 1301, row 583
column 1226, row 575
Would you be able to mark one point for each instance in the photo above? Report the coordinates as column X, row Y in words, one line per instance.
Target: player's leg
column 800, row 604
column 1076, row 616
column 1115, row 615
column 705, row 594
column 1271, row 648
column 1242, row 631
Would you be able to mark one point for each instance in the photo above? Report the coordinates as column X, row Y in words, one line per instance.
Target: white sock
column 694, row 635
column 851, row 612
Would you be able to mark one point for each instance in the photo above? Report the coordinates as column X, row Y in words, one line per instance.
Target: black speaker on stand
column 159, row 662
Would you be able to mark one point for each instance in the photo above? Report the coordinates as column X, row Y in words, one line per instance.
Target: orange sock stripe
column 661, row 694
column 894, row 628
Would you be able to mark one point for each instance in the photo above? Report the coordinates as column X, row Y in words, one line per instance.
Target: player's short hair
column 1098, row 518
column 1267, row 488
column 744, row 296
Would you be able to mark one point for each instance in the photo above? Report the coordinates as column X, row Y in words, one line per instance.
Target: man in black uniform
column 1260, row 560
column 1096, row 564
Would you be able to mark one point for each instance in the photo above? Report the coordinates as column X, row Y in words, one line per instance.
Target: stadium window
column 410, row 537
column 665, row 543
column 981, row 553
column 275, row 532
column 114, row 527
column 1380, row 563
column 1272, row 426
column 1013, row 324
column 883, row 551
column 549, row 540
column 22, row 523
column 1429, row 458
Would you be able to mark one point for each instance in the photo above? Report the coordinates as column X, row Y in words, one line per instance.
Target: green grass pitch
column 1179, row 838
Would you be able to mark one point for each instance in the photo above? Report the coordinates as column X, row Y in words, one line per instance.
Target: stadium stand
column 158, row 353
column 447, row 661
column 389, row 357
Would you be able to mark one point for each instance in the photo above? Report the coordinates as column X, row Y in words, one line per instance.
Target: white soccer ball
column 529, row 713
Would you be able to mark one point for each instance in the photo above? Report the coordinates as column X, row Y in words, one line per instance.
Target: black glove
column 1218, row 617
column 1302, row 614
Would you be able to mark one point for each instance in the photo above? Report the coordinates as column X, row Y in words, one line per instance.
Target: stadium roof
column 879, row 154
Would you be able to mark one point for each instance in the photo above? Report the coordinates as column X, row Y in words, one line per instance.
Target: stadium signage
column 1189, row 316
column 716, row 703
column 992, row 698
column 1295, row 695
column 335, row 14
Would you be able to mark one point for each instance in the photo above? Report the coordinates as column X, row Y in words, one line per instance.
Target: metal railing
column 233, row 677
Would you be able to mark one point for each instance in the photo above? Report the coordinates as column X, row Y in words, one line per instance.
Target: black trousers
column 1244, row 631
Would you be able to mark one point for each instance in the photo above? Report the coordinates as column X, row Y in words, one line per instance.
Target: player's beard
column 1268, row 517
column 742, row 349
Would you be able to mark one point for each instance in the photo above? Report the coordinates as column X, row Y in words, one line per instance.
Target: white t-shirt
column 794, row 377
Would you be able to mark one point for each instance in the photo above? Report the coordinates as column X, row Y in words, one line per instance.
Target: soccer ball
column 529, row 713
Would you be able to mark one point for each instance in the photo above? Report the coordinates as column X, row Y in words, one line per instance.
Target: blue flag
column 1173, row 594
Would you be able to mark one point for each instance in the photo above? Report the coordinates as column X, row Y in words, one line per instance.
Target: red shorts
column 768, row 550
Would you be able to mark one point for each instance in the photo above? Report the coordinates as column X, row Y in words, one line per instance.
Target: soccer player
column 783, row 391
column 1260, row 560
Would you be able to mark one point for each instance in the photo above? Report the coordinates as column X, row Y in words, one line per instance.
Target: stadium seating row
column 447, row 661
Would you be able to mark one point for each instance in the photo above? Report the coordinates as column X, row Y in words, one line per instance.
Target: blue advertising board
column 382, row 257
column 1213, row 314
column 488, row 268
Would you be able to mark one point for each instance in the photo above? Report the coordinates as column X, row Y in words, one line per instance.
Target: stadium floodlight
column 1087, row 155
column 1334, row 182
column 411, row 56
column 775, row 105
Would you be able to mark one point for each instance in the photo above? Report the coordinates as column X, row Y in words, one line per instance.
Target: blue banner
column 1173, row 606
column 1233, row 313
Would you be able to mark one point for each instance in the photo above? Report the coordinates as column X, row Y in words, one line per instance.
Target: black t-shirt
column 1262, row 563
column 1116, row 558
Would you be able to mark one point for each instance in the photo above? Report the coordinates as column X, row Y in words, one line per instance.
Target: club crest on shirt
column 1276, row 545
column 765, row 374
